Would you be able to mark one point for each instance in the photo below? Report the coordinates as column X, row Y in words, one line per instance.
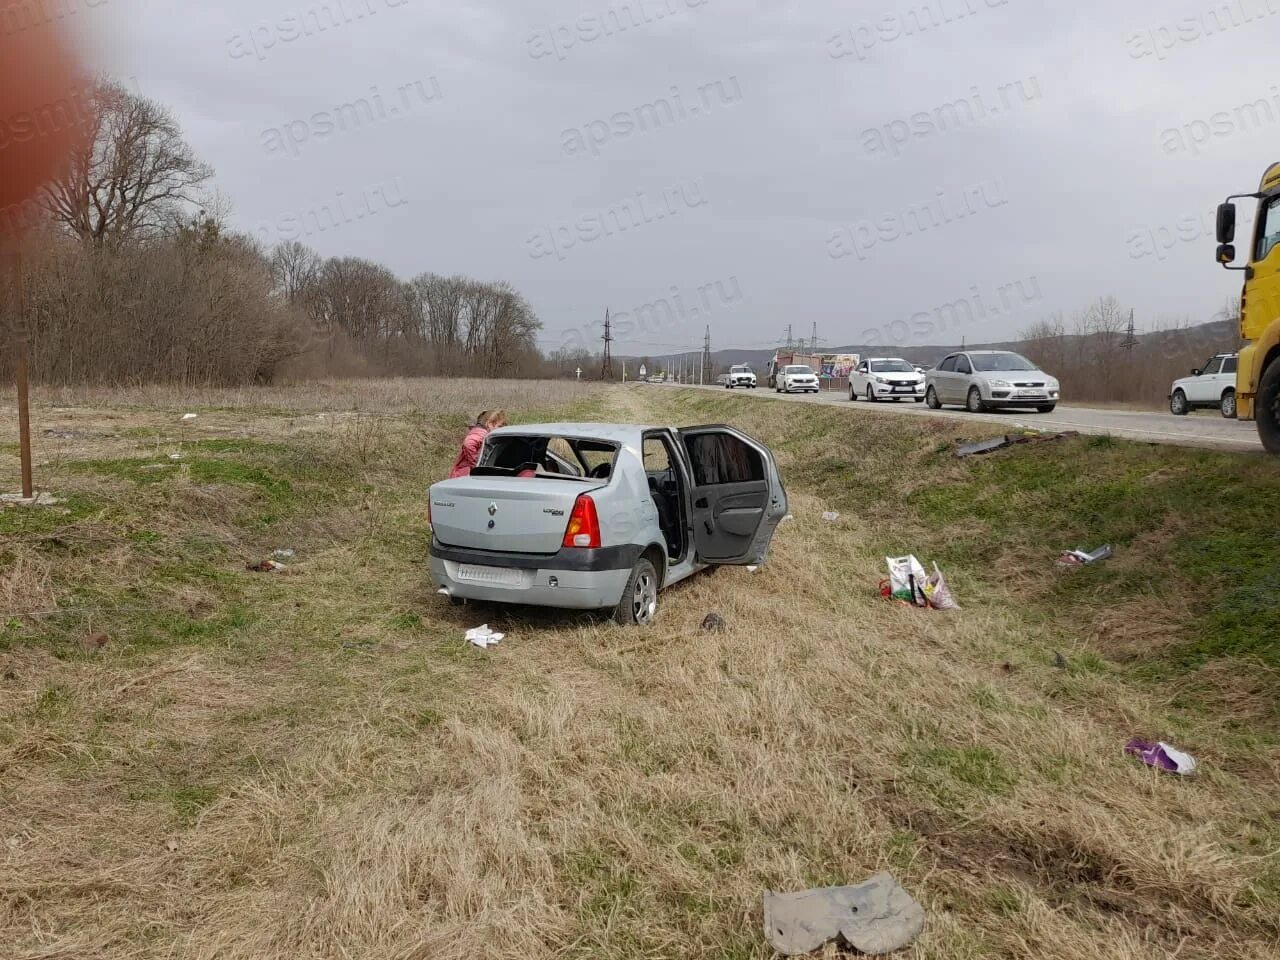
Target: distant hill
column 1207, row 338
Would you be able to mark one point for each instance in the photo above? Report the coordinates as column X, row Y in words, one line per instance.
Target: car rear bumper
column 571, row 579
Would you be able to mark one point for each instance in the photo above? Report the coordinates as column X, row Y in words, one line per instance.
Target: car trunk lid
column 508, row 514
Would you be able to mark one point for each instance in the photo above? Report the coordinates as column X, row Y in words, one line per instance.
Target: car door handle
column 701, row 503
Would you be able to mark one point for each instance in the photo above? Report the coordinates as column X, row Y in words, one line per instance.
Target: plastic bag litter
column 189, row 416
column 938, row 593
column 1161, row 756
column 483, row 637
column 1078, row 558
column 831, row 516
column 907, row 580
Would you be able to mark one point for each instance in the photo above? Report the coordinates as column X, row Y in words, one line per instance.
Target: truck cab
column 1257, row 395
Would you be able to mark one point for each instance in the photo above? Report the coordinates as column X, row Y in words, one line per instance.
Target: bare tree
column 132, row 173
column 295, row 267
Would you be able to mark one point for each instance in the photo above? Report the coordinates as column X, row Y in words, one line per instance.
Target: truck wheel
column 931, row 398
column 1228, row 404
column 974, row 403
column 1266, row 408
column 1178, row 405
column 639, row 603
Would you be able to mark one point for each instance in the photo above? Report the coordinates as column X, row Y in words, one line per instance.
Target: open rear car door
column 737, row 499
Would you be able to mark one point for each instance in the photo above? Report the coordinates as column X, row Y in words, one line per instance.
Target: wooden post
column 20, row 377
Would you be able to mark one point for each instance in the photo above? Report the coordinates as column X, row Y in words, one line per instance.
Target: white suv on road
column 796, row 378
column 1214, row 385
column 741, row 376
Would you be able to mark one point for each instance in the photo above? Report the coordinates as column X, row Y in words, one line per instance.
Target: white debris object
column 788, row 518
column 831, row 516
column 39, row 500
column 186, row 417
column 483, row 637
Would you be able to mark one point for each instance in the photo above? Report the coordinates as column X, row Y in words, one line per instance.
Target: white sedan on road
column 796, row 378
column 990, row 379
column 1214, row 385
column 886, row 378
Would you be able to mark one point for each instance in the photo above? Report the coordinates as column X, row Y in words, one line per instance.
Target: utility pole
column 813, row 340
column 1130, row 340
column 706, row 356
column 788, row 336
column 20, row 377
column 606, row 368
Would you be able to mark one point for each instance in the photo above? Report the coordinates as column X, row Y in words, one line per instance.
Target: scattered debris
column 95, row 641
column 874, row 917
column 753, row 569
column 713, row 623
column 175, row 456
column 483, row 637
column 60, row 434
column 1078, row 558
column 188, row 417
column 284, row 553
column 908, row 583
column 171, row 845
column 831, row 516
column 1059, row 660
column 265, row 566
column 788, row 518
column 39, row 500
column 1161, row 756
column 1008, row 440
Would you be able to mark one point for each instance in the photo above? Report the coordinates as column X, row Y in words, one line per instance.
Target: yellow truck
column 1258, row 373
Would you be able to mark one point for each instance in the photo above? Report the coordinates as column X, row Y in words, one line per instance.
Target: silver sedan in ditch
column 988, row 379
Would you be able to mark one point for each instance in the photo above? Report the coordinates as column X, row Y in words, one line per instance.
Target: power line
column 1130, row 340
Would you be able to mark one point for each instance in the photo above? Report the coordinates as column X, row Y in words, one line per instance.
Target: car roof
column 987, row 351
column 612, row 432
column 873, row 359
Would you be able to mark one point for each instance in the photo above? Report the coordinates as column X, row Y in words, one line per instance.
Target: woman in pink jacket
column 474, row 441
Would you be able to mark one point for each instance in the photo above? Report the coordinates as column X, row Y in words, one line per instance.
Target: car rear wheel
column 639, row 603
column 853, row 395
column 1228, row 404
column 931, row 398
column 1178, row 405
column 974, row 402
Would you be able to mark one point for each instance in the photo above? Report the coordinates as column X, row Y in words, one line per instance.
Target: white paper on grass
column 1186, row 763
column 483, row 637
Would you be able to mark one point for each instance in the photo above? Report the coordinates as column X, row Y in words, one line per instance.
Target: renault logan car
column 986, row 379
column 796, row 378
column 602, row 516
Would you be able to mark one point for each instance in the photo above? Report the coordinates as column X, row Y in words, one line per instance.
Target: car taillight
column 584, row 525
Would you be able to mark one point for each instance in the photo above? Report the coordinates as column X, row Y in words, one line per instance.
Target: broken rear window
column 569, row 458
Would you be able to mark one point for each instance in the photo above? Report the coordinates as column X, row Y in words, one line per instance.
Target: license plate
column 903, row 390
column 1031, row 393
column 500, row 576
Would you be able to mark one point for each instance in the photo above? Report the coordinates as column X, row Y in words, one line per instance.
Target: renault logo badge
column 493, row 508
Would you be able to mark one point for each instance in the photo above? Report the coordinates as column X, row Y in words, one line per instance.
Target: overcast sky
column 792, row 180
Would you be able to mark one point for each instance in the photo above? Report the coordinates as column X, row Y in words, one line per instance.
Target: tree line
column 129, row 273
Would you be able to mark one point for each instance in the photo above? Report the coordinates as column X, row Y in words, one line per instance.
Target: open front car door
column 737, row 499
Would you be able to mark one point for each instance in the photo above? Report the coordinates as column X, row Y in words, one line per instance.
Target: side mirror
column 1226, row 222
column 1226, row 253
column 1195, row 372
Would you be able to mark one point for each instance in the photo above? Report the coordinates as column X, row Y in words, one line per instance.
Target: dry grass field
column 312, row 764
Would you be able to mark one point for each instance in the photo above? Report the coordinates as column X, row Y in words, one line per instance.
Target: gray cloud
column 1090, row 117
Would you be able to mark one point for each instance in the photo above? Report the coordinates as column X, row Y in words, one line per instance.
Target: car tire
column 973, row 402
column 638, row 605
column 1266, row 408
column 853, row 395
column 1227, row 406
column 871, row 396
column 1178, row 405
column 931, row 398
column 1046, row 408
